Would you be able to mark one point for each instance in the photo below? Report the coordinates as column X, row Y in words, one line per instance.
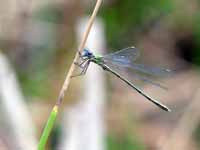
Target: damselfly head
column 87, row 53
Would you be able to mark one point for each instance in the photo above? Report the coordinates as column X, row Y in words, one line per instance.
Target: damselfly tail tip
column 163, row 107
column 166, row 109
column 169, row 110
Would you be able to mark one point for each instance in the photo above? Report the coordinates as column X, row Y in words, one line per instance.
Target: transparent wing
column 126, row 58
column 123, row 56
column 148, row 80
column 136, row 76
column 149, row 70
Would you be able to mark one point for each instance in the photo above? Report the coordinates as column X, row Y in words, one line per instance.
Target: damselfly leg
column 84, row 66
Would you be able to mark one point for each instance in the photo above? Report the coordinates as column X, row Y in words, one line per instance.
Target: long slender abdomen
column 160, row 105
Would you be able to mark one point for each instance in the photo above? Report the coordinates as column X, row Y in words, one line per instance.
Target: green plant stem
column 48, row 128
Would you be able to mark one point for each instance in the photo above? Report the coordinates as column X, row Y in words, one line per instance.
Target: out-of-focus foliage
column 34, row 86
column 197, row 40
column 41, row 50
column 56, row 133
column 123, row 18
column 123, row 142
column 50, row 14
column 197, row 135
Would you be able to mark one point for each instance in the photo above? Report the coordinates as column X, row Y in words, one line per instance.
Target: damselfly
column 122, row 58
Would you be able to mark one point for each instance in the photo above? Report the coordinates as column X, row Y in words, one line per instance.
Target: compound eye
column 90, row 53
column 85, row 53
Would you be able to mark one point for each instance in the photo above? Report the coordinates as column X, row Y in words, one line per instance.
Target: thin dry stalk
column 80, row 49
column 53, row 115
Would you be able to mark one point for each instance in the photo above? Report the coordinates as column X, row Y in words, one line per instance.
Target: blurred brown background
column 38, row 38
